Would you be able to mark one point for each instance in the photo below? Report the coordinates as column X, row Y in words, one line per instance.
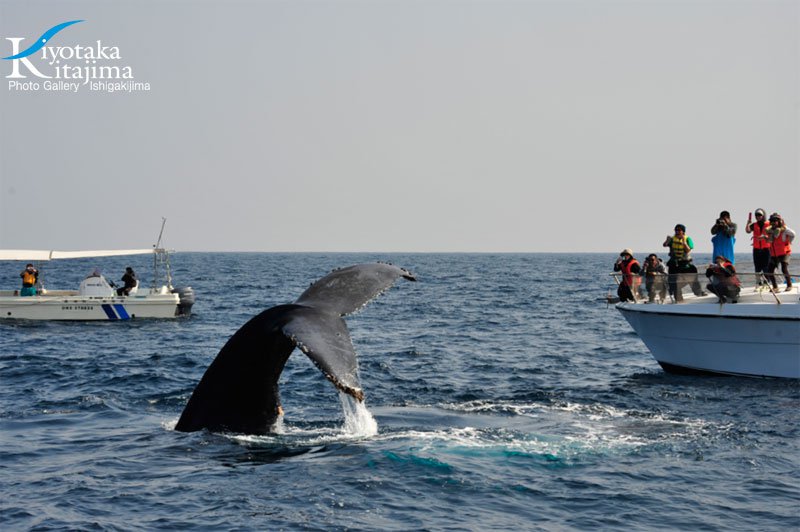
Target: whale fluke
column 239, row 390
column 346, row 290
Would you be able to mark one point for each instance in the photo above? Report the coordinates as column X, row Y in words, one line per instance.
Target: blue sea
column 505, row 395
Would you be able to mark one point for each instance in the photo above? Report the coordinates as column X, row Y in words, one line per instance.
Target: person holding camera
column 780, row 238
column 760, row 240
column 655, row 275
column 30, row 276
column 724, row 231
column 680, row 267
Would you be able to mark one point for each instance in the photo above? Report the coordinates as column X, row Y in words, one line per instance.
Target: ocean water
column 501, row 394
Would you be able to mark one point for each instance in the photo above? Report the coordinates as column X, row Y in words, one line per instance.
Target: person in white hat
column 630, row 275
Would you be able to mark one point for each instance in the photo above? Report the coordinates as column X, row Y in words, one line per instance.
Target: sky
column 401, row 126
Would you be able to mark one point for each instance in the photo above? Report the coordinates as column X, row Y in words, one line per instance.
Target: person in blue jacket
column 724, row 231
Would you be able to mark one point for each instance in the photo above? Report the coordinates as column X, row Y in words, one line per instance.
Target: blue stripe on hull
column 123, row 314
column 109, row 312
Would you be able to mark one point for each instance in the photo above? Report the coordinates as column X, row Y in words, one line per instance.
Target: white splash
column 358, row 421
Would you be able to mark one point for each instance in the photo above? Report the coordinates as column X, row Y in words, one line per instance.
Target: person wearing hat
column 30, row 276
column 630, row 275
column 760, row 240
column 780, row 238
column 724, row 231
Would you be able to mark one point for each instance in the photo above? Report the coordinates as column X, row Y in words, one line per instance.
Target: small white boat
column 758, row 336
column 96, row 298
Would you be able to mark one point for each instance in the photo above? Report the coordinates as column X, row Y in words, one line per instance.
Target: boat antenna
column 161, row 233
column 158, row 252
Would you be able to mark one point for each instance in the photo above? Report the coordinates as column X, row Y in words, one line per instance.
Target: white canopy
column 39, row 255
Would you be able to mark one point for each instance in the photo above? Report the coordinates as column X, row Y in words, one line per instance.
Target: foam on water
column 358, row 421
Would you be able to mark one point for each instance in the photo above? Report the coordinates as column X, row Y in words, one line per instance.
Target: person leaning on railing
column 655, row 274
column 780, row 238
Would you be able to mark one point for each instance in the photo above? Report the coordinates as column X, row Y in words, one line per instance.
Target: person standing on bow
column 680, row 267
column 760, row 241
column 724, row 231
column 30, row 276
column 780, row 249
column 630, row 269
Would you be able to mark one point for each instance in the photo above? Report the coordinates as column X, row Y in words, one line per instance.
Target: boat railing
column 662, row 288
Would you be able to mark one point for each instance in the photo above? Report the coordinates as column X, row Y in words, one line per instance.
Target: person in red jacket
column 760, row 240
column 724, row 282
column 780, row 238
column 630, row 275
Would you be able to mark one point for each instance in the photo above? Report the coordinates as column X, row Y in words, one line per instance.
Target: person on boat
column 655, row 274
column 780, row 238
column 130, row 282
column 30, row 276
column 723, row 280
column 680, row 267
column 631, row 280
column 760, row 241
column 724, row 231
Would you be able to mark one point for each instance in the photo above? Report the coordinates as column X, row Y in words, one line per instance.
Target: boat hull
column 77, row 308
column 758, row 341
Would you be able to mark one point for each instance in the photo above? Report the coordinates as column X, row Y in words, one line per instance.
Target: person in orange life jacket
column 680, row 267
column 724, row 282
column 30, row 276
column 780, row 238
column 724, row 231
column 655, row 274
column 630, row 278
column 760, row 240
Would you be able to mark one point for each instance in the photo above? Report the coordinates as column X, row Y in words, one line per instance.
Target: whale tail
column 239, row 390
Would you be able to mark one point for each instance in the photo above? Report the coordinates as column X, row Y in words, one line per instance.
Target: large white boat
column 757, row 336
column 96, row 298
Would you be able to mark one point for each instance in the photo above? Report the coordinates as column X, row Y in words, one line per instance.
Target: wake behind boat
column 96, row 298
column 757, row 336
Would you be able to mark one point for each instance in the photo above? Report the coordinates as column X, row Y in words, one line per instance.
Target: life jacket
column 677, row 249
column 758, row 231
column 780, row 247
column 28, row 278
column 628, row 277
column 723, row 274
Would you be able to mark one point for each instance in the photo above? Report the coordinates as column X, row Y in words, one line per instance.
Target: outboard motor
column 185, row 300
